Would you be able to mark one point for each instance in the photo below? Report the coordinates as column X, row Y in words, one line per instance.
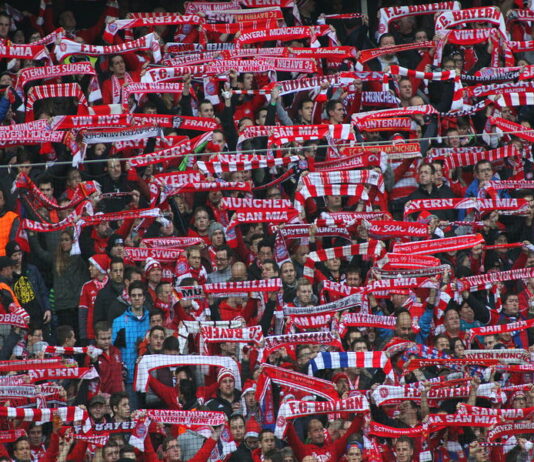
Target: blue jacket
column 472, row 191
column 134, row 331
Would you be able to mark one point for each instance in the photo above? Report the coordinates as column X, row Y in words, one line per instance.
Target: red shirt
column 87, row 302
column 109, row 367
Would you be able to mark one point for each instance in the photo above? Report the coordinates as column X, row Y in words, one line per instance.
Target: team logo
column 176, row 122
column 384, row 392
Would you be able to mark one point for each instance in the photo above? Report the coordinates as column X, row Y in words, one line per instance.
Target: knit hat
column 252, row 428
column 113, row 241
column 12, row 247
column 214, row 226
column 250, row 385
column 224, row 373
column 101, row 262
column 150, row 264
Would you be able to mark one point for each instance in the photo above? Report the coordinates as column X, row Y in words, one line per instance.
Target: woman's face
column 459, row 348
column 65, row 242
column 354, row 454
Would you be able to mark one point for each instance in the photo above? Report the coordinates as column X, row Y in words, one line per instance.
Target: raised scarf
column 452, row 19
column 285, row 34
column 60, row 90
column 244, row 162
column 447, row 244
column 212, row 334
column 336, row 360
column 163, row 255
column 512, row 206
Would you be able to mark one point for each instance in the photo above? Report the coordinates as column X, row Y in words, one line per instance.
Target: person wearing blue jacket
column 129, row 329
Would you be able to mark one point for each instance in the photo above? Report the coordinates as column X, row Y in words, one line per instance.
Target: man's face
column 103, row 339
column 71, row 341
column 237, row 429
column 137, row 298
column 304, row 293
column 116, row 272
column 67, row 20
column 438, row 174
column 218, row 139
column 114, row 169
column 452, row 320
column 206, row 110
column 404, row 325
column 173, row 452
column 97, row 411
column 360, row 347
column 7, row 273
column 227, row 386
column 248, row 80
column 425, row 175
column 511, row 307
column 17, row 257
column 265, row 253
column 111, row 454
column 316, row 432
column 165, row 292
column 268, row 271
column 306, row 111
column 304, row 356
column 405, row 89
column 194, row 259
column 262, row 116
column 47, row 190
column 5, row 24
column 202, row 221
column 404, row 452
column 289, row 275
column 421, row 36
column 36, row 436
column 217, row 238
column 442, row 344
column 22, row 451
column 484, row 172
column 354, row 279
column 154, row 275
column 221, row 257
column 118, row 67
column 156, row 339
column 123, row 408
column 337, row 114
column 490, row 341
column 267, row 442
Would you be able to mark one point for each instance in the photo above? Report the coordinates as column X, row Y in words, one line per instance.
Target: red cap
column 101, row 262
column 252, row 428
column 224, row 373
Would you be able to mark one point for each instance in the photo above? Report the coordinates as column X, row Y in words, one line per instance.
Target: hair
column 22, row 438
column 331, row 104
column 405, row 439
column 110, row 444
column 129, row 271
column 116, row 398
column 166, row 442
column 62, row 257
column 126, row 448
column 102, row 326
column 273, row 455
column 264, row 243
column 303, row 102
column 237, row 417
column 383, row 36
column 35, row 325
column 430, row 166
column 265, row 430
column 275, row 265
column 360, row 340
column 115, row 260
column 440, row 336
column 155, row 328
column 204, row 101
column 171, row 343
column 63, row 333
column 136, row 285
column 159, row 287
column 188, row 389
column 506, row 296
column 192, row 248
column 44, row 179
column 228, row 249
column 481, row 162
column 303, row 282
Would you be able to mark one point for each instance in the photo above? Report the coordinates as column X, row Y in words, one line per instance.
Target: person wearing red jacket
column 318, row 447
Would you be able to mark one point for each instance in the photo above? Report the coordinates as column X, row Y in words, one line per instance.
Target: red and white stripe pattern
column 246, row 164
column 372, row 249
column 322, row 190
column 67, row 414
column 60, row 90
column 339, row 177
column 513, row 99
column 59, row 350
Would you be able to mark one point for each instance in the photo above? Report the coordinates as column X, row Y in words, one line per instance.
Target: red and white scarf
column 244, row 163
column 61, row 90
column 507, row 206
column 285, row 34
column 211, row 334
column 367, row 55
column 386, row 15
column 511, row 127
column 341, row 304
column 29, row 74
column 182, row 149
column 164, row 19
column 510, row 429
column 479, row 281
column 299, row 231
column 292, row 409
column 506, row 414
column 150, row 362
column 186, row 418
column 426, row 109
column 67, row 414
column 59, row 350
column 393, row 261
column 447, row 244
column 372, row 250
column 274, row 342
column 397, row 229
column 321, row 190
column 164, row 255
column 452, row 19
column 81, row 373
column 67, row 122
column 69, row 47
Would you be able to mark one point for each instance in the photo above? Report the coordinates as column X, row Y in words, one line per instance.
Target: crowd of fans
column 266, row 230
